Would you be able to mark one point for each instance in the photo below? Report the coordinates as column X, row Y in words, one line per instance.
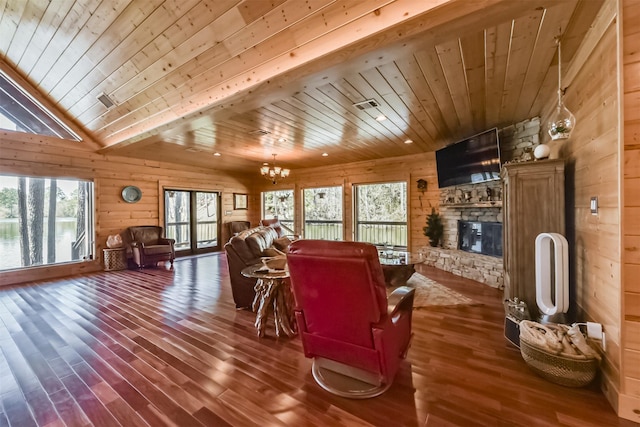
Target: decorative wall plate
column 131, row 194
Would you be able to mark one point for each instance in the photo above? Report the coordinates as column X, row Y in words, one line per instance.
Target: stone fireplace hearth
column 481, row 268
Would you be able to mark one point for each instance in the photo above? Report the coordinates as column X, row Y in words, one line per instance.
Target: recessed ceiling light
column 408, row 141
column 282, row 139
column 325, row 154
column 381, row 118
column 217, row 154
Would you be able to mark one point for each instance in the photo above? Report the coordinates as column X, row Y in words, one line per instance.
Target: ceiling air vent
column 259, row 132
column 106, row 101
column 369, row 103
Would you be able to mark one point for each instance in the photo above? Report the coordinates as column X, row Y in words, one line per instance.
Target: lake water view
column 10, row 241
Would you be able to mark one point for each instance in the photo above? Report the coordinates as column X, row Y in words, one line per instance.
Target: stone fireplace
column 480, row 204
column 483, row 268
column 453, row 214
column 480, row 237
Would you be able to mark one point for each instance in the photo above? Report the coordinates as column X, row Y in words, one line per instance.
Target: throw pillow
column 282, row 243
column 270, row 252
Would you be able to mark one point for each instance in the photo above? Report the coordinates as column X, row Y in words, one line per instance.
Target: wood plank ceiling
column 249, row 78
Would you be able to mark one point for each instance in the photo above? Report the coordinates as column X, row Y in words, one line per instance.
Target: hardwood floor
column 163, row 347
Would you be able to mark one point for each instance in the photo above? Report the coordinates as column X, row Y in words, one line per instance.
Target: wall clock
column 131, row 194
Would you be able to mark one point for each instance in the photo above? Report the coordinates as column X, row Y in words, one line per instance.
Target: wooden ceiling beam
column 406, row 37
column 374, row 27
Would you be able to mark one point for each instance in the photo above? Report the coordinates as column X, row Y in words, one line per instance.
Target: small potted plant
column 434, row 228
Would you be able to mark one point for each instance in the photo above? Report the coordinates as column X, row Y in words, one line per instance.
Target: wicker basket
column 561, row 370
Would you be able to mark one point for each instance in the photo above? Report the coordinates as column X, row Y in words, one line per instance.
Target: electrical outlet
column 594, row 330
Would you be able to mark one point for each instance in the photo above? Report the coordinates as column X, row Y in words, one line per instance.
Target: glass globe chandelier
column 562, row 121
column 272, row 172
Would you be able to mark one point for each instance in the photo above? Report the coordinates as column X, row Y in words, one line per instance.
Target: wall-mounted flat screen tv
column 472, row 160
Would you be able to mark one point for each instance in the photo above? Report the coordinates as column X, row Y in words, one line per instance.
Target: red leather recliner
column 356, row 336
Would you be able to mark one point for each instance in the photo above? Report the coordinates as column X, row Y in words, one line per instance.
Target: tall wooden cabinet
column 533, row 203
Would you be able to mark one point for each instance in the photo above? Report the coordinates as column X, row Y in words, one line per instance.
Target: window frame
column 355, row 211
column 342, row 208
column 91, row 220
column 288, row 223
column 28, row 114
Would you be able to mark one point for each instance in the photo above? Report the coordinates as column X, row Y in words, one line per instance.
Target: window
column 7, row 124
column 21, row 112
column 381, row 213
column 45, row 221
column 323, row 213
column 279, row 204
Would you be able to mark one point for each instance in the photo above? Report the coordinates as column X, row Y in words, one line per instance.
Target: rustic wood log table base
column 274, row 295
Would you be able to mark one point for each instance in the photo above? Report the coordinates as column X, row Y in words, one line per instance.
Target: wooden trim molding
column 629, row 407
column 47, row 272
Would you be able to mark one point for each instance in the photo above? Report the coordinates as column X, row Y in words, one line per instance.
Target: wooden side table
column 273, row 295
column 115, row 259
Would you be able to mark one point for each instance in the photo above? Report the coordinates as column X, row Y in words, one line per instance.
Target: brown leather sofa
column 237, row 226
column 147, row 246
column 247, row 248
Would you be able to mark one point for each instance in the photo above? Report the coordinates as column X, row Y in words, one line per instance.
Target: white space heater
column 552, row 274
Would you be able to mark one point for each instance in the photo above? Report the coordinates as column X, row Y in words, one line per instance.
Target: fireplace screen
column 480, row 237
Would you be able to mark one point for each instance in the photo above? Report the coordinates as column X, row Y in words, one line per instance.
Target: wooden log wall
column 405, row 168
column 32, row 155
column 593, row 170
column 593, row 158
column 629, row 404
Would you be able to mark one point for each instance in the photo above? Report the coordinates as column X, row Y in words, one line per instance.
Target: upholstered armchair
column 148, row 246
column 355, row 335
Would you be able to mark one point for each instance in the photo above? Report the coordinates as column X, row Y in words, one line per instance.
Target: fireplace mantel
column 496, row 204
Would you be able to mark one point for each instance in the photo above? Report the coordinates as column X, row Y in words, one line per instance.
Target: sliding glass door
column 192, row 218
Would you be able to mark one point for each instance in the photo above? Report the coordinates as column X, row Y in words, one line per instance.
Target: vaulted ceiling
column 248, row 78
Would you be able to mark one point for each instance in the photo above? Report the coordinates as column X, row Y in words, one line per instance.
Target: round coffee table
column 398, row 266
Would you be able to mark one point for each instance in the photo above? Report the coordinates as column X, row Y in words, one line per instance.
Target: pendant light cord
column 559, row 71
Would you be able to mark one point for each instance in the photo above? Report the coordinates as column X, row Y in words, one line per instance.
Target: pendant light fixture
column 561, row 122
column 273, row 173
